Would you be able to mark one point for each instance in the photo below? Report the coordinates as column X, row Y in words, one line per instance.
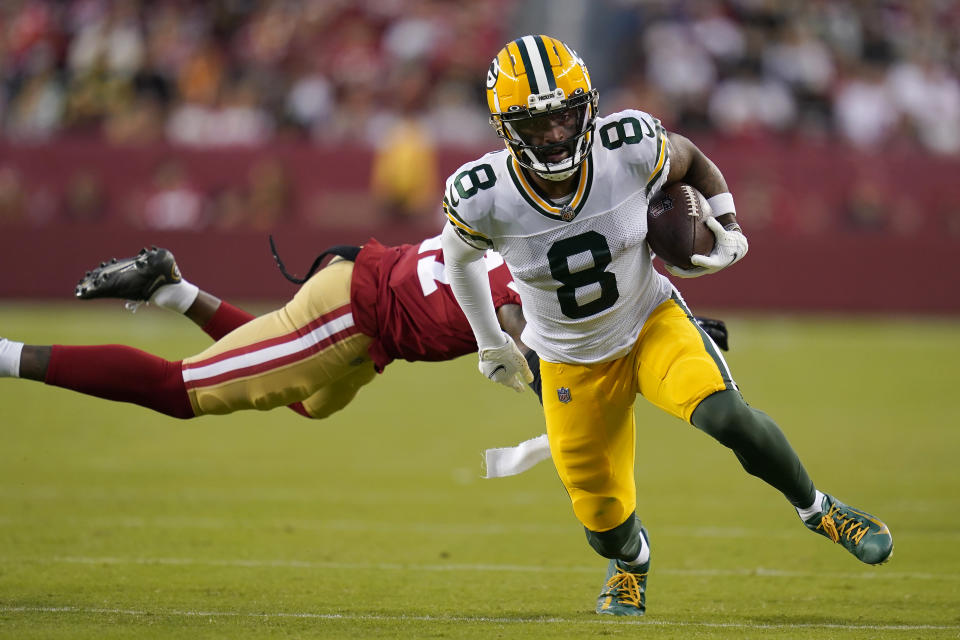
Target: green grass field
column 118, row 522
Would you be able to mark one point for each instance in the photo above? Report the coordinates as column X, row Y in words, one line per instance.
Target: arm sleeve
column 471, row 287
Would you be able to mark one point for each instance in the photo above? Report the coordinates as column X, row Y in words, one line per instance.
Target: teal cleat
column 860, row 533
column 625, row 591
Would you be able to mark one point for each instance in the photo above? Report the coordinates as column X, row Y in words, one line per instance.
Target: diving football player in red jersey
column 347, row 322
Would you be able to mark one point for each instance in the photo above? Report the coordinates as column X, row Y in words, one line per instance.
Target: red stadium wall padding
column 830, row 229
column 850, row 272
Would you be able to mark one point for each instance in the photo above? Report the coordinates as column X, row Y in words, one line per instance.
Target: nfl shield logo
column 660, row 207
column 567, row 213
column 563, row 394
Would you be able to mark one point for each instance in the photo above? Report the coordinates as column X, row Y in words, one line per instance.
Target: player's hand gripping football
column 731, row 245
column 506, row 365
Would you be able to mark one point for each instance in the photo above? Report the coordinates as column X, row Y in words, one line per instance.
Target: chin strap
column 347, row 252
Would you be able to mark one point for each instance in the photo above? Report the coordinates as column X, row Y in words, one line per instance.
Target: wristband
column 721, row 204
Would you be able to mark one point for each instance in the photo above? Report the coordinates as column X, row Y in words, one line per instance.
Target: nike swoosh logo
column 494, row 372
column 866, row 516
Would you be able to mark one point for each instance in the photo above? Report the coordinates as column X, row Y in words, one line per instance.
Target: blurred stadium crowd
column 403, row 79
column 871, row 72
column 230, row 72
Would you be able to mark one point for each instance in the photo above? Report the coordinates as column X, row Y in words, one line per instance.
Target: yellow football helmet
column 532, row 82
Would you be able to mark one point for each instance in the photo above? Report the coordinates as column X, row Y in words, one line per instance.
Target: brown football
column 676, row 227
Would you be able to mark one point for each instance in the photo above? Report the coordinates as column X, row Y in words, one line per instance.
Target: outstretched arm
column 500, row 359
column 513, row 322
column 471, row 287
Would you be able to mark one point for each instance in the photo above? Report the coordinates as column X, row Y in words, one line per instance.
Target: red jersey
column 400, row 298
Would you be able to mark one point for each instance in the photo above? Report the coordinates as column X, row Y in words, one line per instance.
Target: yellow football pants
column 590, row 417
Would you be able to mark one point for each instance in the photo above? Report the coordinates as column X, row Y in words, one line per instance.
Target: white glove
column 506, row 365
column 731, row 245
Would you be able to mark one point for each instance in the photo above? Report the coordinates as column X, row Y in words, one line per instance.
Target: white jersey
column 583, row 269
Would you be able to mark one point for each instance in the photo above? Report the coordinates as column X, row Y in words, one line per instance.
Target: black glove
column 716, row 329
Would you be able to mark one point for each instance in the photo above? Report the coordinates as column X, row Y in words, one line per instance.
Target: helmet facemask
column 519, row 127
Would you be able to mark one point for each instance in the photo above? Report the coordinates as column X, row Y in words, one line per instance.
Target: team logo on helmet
column 492, row 74
column 576, row 57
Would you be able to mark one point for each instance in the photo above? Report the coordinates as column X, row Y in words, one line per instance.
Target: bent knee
column 602, row 512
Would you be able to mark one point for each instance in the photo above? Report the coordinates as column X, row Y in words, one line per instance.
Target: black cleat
column 135, row 278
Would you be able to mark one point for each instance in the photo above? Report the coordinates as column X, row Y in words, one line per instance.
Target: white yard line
column 448, row 528
column 879, row 574
column 477, row 619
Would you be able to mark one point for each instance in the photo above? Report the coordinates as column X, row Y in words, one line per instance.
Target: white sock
column 813, row 509
column 10, row 358
column 176, row 297
column 643, row 556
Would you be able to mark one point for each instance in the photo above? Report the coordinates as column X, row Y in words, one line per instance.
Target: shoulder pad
column 639, row 140
column 468, row 197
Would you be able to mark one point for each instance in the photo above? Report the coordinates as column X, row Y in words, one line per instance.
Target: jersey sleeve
column 661, row 163
column 465, row 204
column 641, row 141
column 467, row 233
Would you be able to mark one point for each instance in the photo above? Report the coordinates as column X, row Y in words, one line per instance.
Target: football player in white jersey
column 565, row 205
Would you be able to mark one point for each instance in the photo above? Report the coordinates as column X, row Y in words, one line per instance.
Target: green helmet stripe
column 536, row 64
column 547, row 69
